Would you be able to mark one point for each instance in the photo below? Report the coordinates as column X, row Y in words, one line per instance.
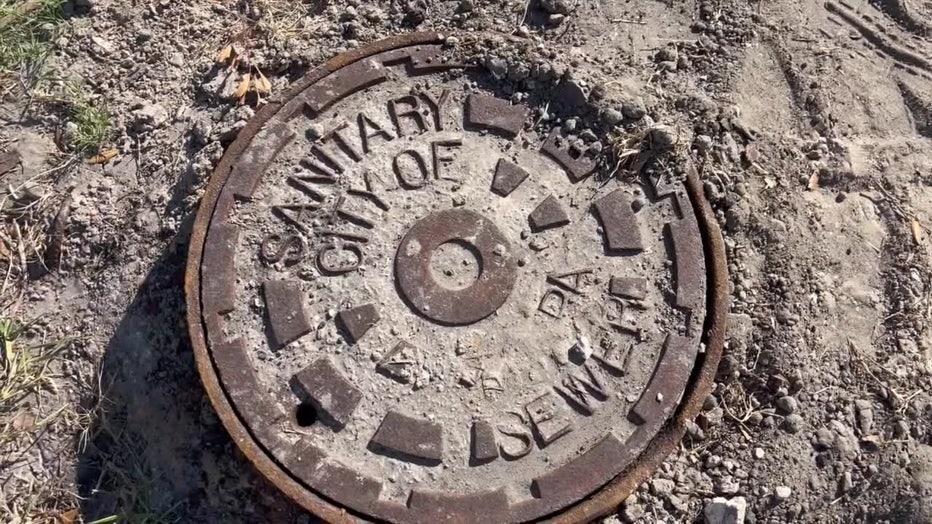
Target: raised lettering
column 290, row 249
column 436, row 106
column 519, row 433
column 410, row 178
column 341, row 211
column 336, row 136
column 330, row 262
column 442, row 156
column 345, row 235
column 295, row 214
column 412, row 113
column 581, row 390
column 324, row 174
column 369, row 129
column 304, row 185
column 326, row 158
column 611, row 357
column 570, row 281
column 369, row 193
column 548, row 422
column 553, row 303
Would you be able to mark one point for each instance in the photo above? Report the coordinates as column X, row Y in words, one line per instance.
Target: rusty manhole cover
column 408, row 305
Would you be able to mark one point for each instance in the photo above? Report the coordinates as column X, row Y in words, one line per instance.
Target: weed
column 25, row 366
column 124, row 474
column 26, row 28
column 91, row 124
column 25, row 371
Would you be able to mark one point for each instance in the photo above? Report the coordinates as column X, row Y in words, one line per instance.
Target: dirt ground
column 811, row 123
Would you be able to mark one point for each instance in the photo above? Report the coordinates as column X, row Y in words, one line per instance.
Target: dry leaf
column 262, row 84
column 225, row 54
column 102, row 158
column 813, row 182
column 243, row 87
column 68, row 517
column 917, row 231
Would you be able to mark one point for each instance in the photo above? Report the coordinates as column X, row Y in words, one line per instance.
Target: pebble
column 792, row 424
column 632, row 512
column 782, row 493
column 824, row 438
column 562, row 7
column 634, row 110
column 787, row 405
column 150, row 116
column 865, row 414
column 726, row 485
column 725, row 511
column 662, row 138
column 703, row 143
column 612, row 116
column 661, row 487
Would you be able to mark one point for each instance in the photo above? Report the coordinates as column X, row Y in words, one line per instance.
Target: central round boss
column 457, row 307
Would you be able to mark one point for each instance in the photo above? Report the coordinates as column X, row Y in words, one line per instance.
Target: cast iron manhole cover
column 408, row 305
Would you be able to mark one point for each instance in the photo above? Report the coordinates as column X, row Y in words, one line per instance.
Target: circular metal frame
column 599, row 503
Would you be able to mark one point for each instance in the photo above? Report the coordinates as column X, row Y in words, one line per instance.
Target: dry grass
column 26, row 210
column 282, row 19
column 26, row 28
column 26, row 418
column 124, row 475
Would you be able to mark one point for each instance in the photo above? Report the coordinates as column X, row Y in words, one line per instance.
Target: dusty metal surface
column 409, row 305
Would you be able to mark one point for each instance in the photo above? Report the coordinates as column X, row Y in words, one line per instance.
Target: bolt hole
column 305, row 415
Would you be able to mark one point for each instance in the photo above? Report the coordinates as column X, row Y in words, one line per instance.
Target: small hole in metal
column 305, row 415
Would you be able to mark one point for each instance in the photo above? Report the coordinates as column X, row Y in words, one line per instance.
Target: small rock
column 634, row 110
column 724, row 511
column 150, row 116
column 865, row 414
column 782, row 493
column 662, row 138
column 612, row 116
column 787, row 405
column 581, row 350
column 725, row 486
column 176, row 59
column 588, row 136
column 661, row 487
column 824, row 438
column 667, row 54
column 901, row 429
column 562, row 7
column 679, row 504
column 632, row 512
column 703, row 143
column 845, row 483
column 792, row 424
column 871, row 442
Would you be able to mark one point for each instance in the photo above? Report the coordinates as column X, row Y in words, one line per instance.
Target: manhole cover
column 408, row 305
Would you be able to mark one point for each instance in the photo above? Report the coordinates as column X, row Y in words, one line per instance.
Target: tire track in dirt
column 900, row 12
column 921, row 109
column 878, row 38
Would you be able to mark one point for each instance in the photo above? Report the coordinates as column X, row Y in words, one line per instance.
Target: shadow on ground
column 156, row 451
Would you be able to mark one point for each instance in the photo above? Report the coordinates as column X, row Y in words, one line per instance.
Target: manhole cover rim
column 597, row 503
